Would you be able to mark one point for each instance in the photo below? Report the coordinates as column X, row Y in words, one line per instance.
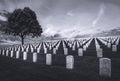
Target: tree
column 3, row 24
column 5, row 13
column 23, row 22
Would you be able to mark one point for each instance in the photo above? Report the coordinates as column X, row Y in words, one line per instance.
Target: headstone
column 18, row 49
column 27, row 49
column 48, row 59
column 84, row 48
column 65, row 51
column 87, row 45
column 109, row 45
column 15, row 49
column 34, row 57
column 24, row 55
column 54, row 50
column 3, row 52
column 105, row 67
column 32, row 49
column 7, row 52
column 38, row 50
column 17, row 54
column 50, row 47
column 22, row 49
column 56, row 47
column 77, row 45
column 70, row 45
column 45, row 50
column 80, row 52
column 99, row 52
column 69, row 62
column 11, row 54
column 117, row 42
column 105, row 43
column 0, row 51
column 73, row 48
column 114, row 48
column 97, row 47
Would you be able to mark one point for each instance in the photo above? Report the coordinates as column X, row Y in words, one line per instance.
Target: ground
column 86, row 70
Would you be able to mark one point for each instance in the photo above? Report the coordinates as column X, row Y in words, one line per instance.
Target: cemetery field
column 87, row 70
column 86, row 59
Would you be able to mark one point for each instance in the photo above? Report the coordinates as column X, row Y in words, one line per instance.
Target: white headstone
column 27, row 49
column 109, row 45
column 34, row 57
column 7, row 52
column 32, row 49
column 97, row 47
column 70, row 45
column 73, row 48
column 69, row 62
column 17, row 54
column 48, row 59
column 65, row 51
column 114, row 48
column 11, row 54
column 84, row 48
column 0, row 51
column 117, row 42
column 99, row 52
column 54, row 50
column 22, row 49
column 24, row 55
column 18, row 49
column 38, row 50
column 50, row 47
column 105, row 43
column 15, row 49
column 3, row 52
column 45, row 50
column 56, row 47
column 105, row 67
column 80, row 52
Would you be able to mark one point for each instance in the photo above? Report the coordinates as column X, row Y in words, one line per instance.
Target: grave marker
column 48, row 59
column 99, row 52
column 24, row 55
column 69, row 62
column 34, row 57
column 105, row 67
column 114, row 48
column 80, row 52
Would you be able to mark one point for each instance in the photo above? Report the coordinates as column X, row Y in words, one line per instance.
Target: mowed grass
column 86, row 69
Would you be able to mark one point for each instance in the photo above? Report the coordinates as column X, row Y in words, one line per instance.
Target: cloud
column 100, row 14
column 3, row 18
column 69, row 13
column 70, row 17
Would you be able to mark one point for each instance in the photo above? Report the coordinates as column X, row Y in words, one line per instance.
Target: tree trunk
column 22, row 40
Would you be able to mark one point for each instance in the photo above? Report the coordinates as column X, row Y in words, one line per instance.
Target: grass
column 86, row 69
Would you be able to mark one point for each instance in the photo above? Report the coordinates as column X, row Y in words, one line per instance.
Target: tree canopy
column 23, row 22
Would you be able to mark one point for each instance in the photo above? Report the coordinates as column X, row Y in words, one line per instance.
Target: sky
column 70, row 17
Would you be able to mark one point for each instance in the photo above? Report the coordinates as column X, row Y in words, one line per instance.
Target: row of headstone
column 98, row 49
column 45, row 46
column 86, row 45
column 117, row 41
column 36, row 47
column 109, row 45
column 104, row 63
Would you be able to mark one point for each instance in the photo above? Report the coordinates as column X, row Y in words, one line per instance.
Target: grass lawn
column 86, row 69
